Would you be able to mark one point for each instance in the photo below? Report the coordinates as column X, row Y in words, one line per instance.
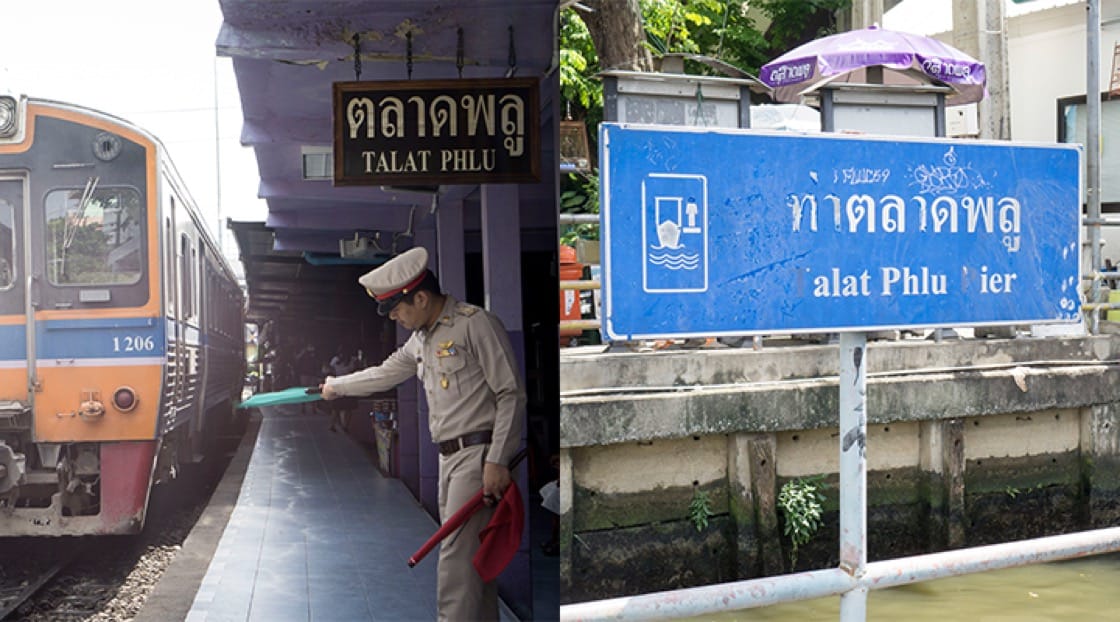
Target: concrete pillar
column 942, row 461
column 566, row 541
column 501, row 254
column 501, row 270
column 1100, row 463
column 449, row 238
column 865, row 13
column 979, row 29
column 740, row 504
column 952, row 459
column 427, row 452
column 752, row 482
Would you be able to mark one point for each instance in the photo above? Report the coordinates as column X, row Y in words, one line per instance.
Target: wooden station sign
column 483, row 131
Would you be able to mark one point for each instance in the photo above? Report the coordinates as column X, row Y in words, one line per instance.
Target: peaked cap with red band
column 392, row 280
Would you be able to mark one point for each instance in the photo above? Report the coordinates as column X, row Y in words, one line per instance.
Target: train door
column 205, row 330
column 88, row 285
column 173, row 388
column 16, row 319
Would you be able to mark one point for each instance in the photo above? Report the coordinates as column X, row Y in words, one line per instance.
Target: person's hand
column 495, row 480
column 328, row 392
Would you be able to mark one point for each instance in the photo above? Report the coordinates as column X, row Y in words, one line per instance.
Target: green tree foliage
column 794, row 22
column 722, row 29
column 716, row 28
column 578, row 64
column 580, row 195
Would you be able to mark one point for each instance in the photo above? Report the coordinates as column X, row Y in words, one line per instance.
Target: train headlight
column 9, row 116
column 124, row 399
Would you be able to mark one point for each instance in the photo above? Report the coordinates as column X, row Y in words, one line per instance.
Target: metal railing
column 724, row 597
column 1092, row 292
column 584, row 324
column 854, row 577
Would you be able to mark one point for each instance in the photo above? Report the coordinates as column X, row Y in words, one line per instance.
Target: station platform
column 303, row 527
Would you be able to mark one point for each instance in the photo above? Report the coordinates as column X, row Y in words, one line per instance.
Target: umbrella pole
column 460, row 516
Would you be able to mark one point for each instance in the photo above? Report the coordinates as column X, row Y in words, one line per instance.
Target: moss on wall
column 657, row 556
column 642, row 542
column 599, row 510
column 1010, row 475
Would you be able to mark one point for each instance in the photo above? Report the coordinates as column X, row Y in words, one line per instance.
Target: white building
column 1047, row 74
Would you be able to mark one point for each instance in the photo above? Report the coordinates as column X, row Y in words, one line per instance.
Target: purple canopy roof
column 806, row 66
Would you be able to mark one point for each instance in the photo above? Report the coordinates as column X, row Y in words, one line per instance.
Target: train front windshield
column 93, row 236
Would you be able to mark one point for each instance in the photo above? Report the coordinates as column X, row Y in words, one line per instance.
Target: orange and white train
column 121, row 324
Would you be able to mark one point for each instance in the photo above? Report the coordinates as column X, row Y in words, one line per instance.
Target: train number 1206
column 134, row 343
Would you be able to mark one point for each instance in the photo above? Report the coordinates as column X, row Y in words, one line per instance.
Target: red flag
column 501, row 537
column 462, row 514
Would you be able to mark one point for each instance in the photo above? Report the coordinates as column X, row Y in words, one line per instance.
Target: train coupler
column 14, row 415
column 13, row 467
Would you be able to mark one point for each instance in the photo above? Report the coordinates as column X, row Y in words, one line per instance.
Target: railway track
column 104, row 578
column 29, row 564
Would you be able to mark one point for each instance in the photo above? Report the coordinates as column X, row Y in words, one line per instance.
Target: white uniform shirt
column 470, row 377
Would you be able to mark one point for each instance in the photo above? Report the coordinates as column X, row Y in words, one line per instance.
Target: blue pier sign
column 738, row 232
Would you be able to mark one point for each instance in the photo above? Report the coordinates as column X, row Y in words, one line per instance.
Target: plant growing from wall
column 700, row 509
column 800, row 501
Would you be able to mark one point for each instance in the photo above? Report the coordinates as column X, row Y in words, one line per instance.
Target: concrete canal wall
column 969, row 442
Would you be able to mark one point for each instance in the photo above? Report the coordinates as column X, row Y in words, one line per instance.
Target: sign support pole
column 853, row 471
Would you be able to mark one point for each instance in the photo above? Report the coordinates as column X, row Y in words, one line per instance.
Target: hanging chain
column 700, row 120
column 459, row 53
column 512, row 52
column 357, row 57
column 408, row 62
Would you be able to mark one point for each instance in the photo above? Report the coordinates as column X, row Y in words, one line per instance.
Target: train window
column 7, row 244
column 186, row 297
column 94, row 236
column 169, row 260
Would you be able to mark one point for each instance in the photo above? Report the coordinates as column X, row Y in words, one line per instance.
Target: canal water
column 1085, row 590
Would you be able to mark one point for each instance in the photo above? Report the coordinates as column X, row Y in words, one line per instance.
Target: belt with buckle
column 447, row 448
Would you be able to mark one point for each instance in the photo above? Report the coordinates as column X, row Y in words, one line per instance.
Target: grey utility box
column 671, row 98
column 897, row 110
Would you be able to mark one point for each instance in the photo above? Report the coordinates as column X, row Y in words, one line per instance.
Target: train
column 122, row 349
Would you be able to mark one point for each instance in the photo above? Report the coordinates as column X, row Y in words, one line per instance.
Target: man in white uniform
column 476, row 402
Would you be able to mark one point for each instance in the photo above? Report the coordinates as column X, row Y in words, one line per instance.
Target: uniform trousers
column 460, row 592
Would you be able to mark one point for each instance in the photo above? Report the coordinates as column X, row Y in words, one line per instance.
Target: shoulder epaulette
column 466, row 309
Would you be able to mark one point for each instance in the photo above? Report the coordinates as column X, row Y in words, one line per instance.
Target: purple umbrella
column 831, row 58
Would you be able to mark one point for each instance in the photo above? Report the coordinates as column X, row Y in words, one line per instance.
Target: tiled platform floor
column 318, row 534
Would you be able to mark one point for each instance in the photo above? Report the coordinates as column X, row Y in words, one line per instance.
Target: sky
column 152, row 62
column 931, row 17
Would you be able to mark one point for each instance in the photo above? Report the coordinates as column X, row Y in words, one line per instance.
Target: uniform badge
column 443, row 382
column 446, row 348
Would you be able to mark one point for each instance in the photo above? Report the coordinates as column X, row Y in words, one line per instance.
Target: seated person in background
column 308, row 370
column 343, row 362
